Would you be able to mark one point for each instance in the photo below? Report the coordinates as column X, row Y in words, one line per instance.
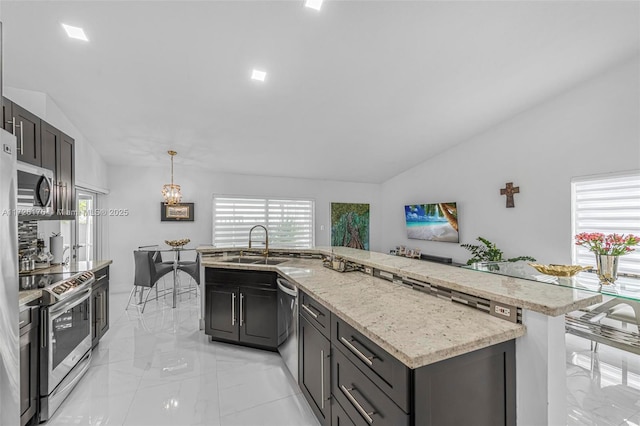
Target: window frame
column 629, row 264
column 267, row 199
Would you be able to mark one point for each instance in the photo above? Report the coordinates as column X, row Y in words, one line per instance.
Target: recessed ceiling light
column 258, row 75
column 313, row 4
column 75, row 32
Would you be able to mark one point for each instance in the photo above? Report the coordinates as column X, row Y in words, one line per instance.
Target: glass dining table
column 176, row 251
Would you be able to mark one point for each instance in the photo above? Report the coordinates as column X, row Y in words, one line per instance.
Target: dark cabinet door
column 29, row 370
column 28, row 134
column 477, row 388
column 7, row 116
column 221, row 313
column 258, row 316
column 51, row 138
column 314, row 375
column 65, row 174
column 99, row 310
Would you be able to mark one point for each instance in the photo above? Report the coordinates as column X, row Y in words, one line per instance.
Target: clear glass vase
column 607, row 268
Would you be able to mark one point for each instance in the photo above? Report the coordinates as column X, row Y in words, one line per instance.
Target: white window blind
column 289, row 221
column 608, row 205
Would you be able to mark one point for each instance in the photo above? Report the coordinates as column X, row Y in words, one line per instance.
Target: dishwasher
column 288, row 325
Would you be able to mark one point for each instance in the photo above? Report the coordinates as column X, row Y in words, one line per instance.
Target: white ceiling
column 359, row 91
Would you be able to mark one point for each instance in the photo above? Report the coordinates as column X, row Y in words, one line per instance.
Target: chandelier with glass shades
column 171, row 192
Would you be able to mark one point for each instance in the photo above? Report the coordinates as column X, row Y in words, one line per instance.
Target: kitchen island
column 380, row 301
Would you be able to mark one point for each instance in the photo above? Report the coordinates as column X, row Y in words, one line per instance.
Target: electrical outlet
column 504, row 311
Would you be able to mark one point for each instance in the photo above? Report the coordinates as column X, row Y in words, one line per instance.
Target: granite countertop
column 27, row 296
column 417, row 328
column 539, row 297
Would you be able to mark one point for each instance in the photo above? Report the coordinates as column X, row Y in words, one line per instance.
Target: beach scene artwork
column 432, row 222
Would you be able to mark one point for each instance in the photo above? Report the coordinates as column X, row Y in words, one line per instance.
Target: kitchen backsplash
column 27, row 235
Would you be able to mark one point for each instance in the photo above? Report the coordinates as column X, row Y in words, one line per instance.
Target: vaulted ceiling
column 359, row 91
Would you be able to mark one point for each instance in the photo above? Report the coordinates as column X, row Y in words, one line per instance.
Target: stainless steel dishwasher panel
column 288, row 325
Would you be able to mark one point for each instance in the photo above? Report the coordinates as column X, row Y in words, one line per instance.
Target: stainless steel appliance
column 65, row 347
column 35, row 190
column 9, row 341
column 288, row 325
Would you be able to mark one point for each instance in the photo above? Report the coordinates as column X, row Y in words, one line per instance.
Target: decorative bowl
column 559, row 270
column 177, row 243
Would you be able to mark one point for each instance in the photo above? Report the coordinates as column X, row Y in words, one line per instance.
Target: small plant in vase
column 607, row 249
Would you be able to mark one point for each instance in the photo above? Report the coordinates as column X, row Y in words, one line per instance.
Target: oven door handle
column 57, row 310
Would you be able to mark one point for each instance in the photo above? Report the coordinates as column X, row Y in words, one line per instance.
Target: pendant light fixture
column 171, row 192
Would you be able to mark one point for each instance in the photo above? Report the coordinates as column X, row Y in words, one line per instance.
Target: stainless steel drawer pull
column 306, row 308
column 365, row 414
column 101, row 278
column 367, row 359
column 233, row 309
column 322, row 378
column 21, row 138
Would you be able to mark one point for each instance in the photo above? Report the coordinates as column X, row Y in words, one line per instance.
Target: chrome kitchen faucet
column 266, row 239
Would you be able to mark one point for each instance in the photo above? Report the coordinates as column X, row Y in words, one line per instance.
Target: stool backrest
column 144, row 268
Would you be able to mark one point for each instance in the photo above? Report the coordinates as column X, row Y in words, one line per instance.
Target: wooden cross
column 509, row 191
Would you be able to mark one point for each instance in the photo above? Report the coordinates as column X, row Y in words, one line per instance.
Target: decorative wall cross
column 509, row 191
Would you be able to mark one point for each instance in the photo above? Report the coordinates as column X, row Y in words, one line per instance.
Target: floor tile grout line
column 259, row 405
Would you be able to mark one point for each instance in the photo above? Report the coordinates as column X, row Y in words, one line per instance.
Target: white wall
column 91, row 169
column 139, row 191
column 592, row 129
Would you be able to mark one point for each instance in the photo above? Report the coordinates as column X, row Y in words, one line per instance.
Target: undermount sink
column 254, row 261
column 268, row 262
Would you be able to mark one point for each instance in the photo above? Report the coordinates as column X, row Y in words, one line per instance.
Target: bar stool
column 147, row 273
column 192, row 268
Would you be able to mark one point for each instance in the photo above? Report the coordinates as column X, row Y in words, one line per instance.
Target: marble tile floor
column 603, row 388
column 160, row 369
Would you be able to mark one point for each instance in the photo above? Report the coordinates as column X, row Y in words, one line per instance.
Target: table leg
column 175, row 276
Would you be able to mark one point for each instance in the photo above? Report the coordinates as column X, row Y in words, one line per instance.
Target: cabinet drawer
column 25, row 318
column 389, row 374
column 360, row 398
column 339, row 417
column 259, row 279
column 102, row 275
column 317, row 314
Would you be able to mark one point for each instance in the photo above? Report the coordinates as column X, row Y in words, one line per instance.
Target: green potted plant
column 488, row 252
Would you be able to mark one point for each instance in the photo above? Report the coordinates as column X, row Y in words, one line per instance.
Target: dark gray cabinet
column 220, row 316
column 360, row 398
column 41, row 144
column 314, row 374
column 477, row 388
column 369, row 386
column 65, row 174
column 28, row 136
column 28, row 364
column 339, row 417
column 242, row 307
column 100, row 305
column 58, row 155
column 258, row 322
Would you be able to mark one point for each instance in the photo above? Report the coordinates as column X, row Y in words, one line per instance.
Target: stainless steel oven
column 65, row 350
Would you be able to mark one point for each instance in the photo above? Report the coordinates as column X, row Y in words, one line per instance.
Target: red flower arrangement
column 612, row 244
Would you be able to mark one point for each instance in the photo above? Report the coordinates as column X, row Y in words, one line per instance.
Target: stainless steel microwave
column 35, row 190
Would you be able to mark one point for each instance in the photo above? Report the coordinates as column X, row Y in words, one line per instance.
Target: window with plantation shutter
column 607, row 204
column 289, row 221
